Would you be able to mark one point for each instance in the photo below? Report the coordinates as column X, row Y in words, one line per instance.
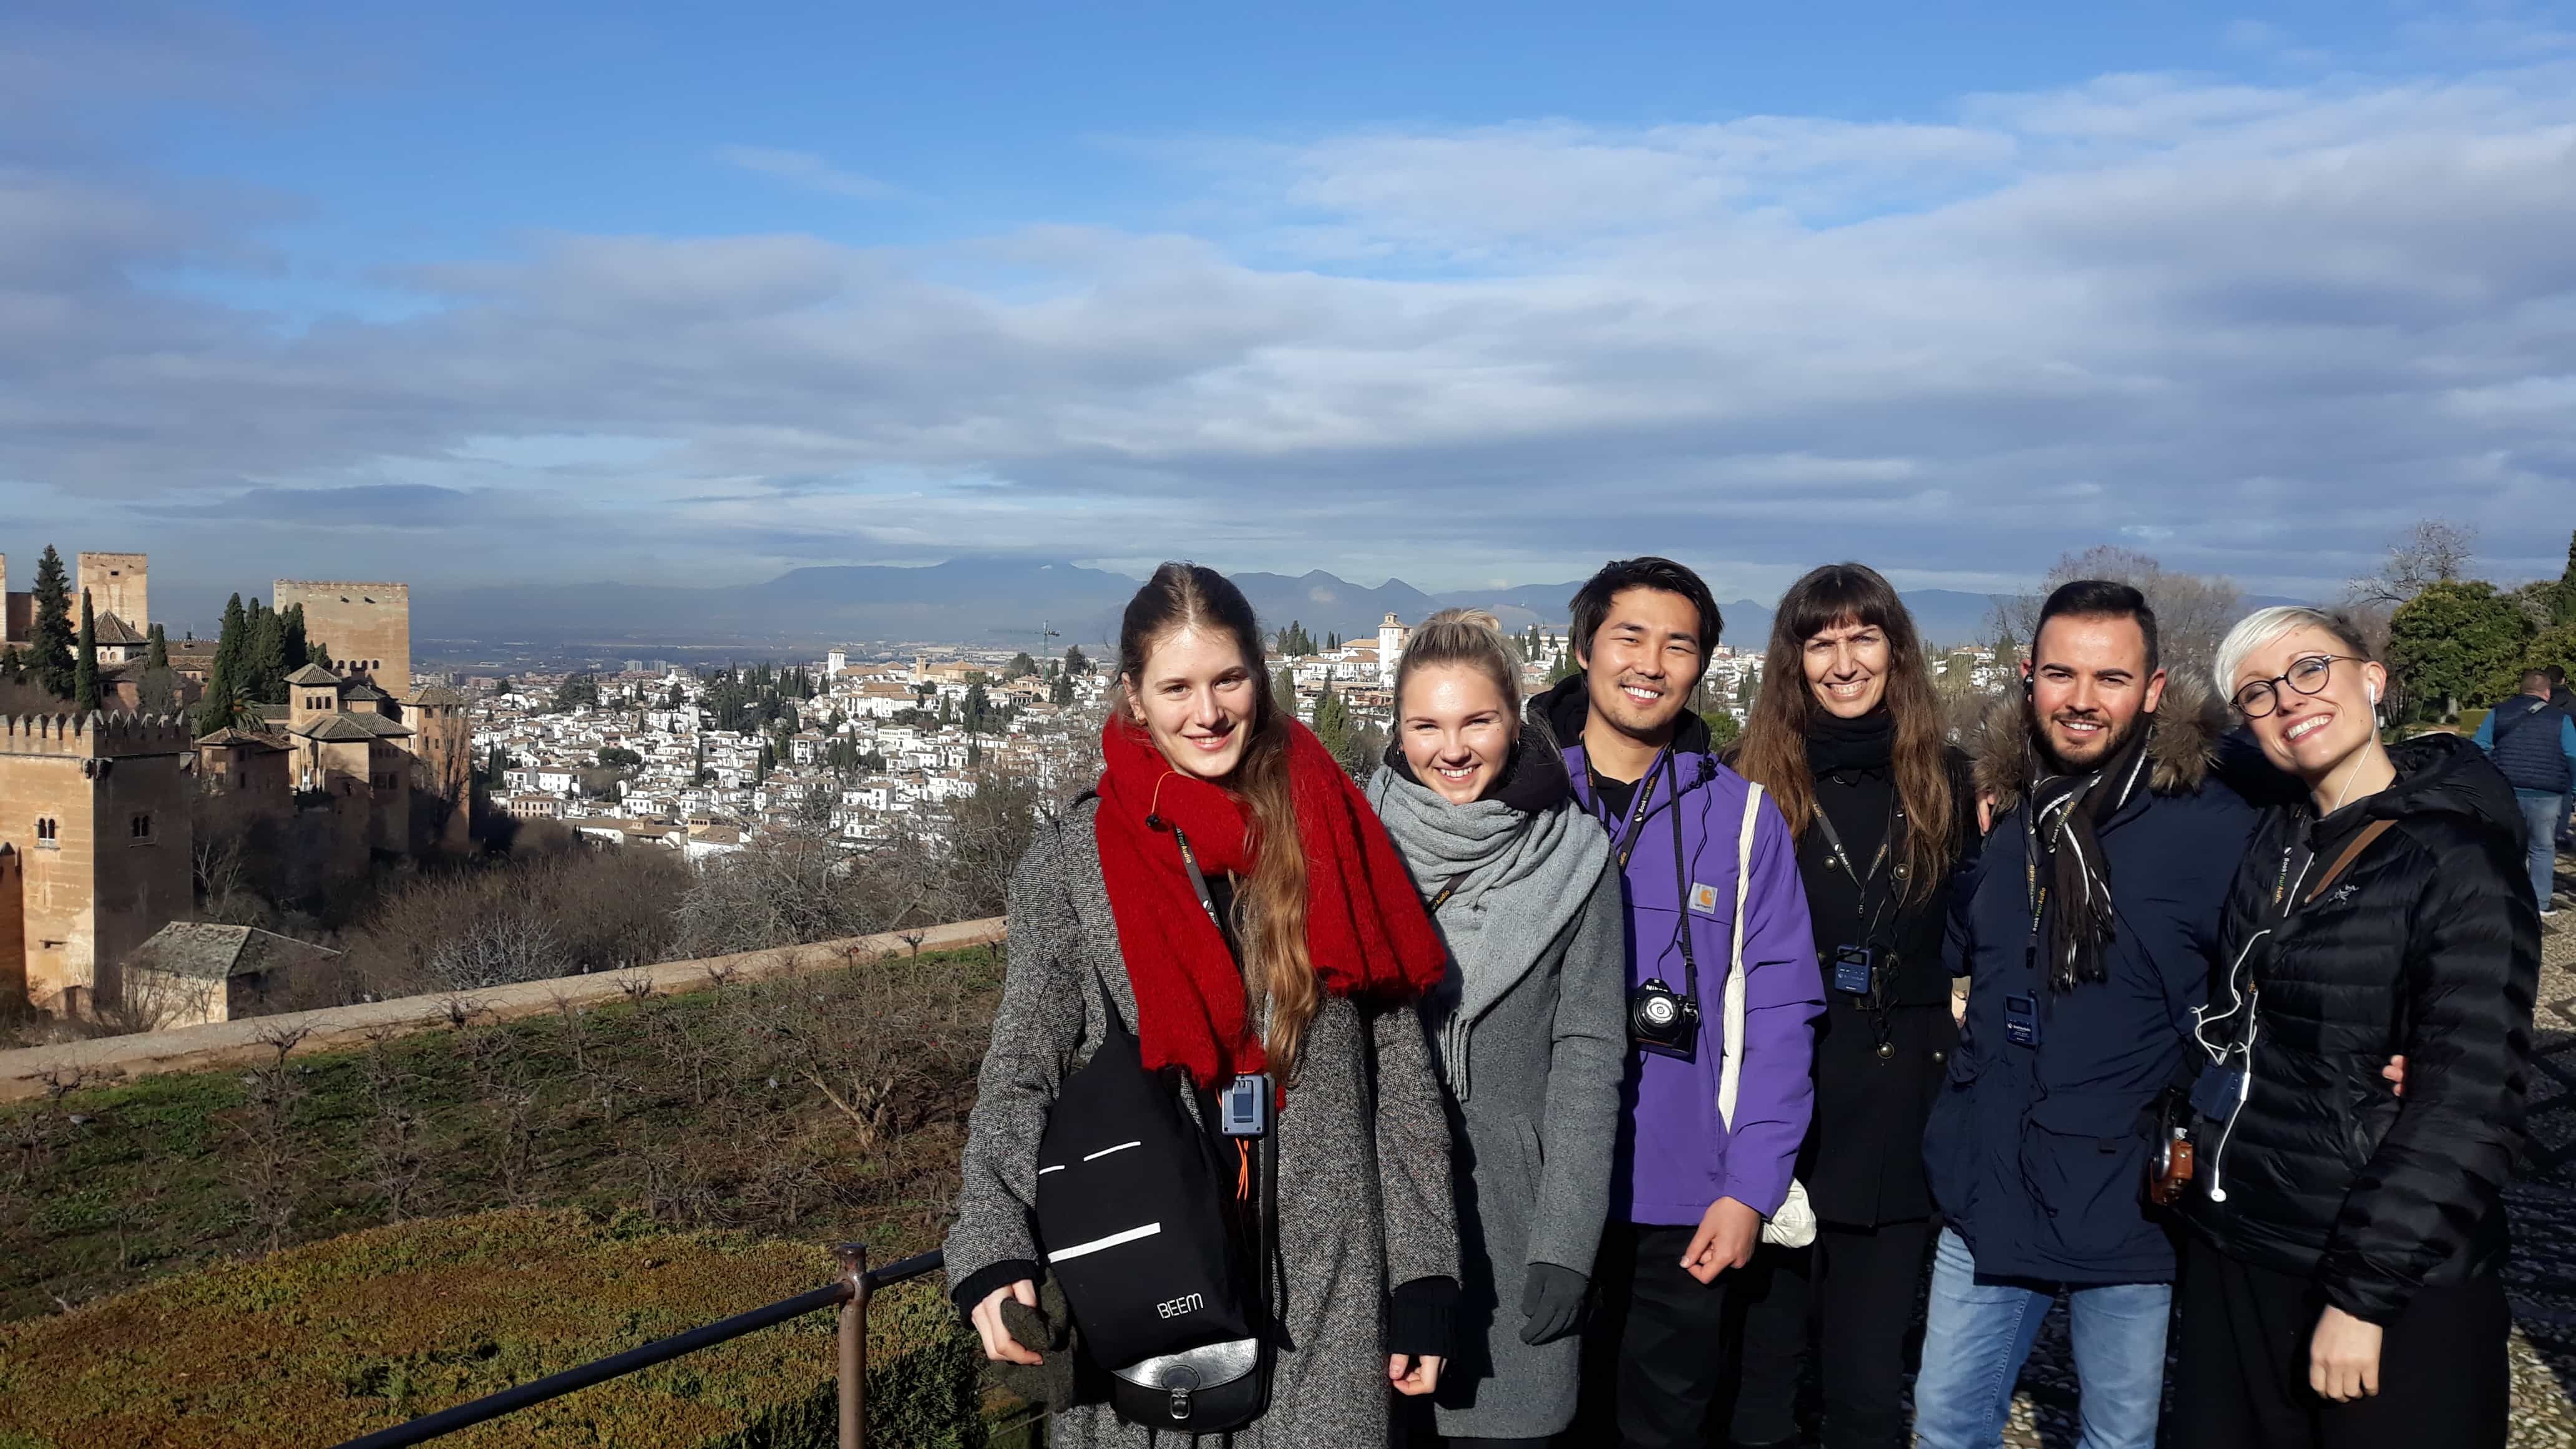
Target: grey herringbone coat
column 1364, row 1193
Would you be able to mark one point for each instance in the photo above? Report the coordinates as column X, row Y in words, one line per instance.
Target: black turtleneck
column 1855, row 788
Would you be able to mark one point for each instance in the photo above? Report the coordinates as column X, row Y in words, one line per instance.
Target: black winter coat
column 2427, row 946
column 1862, row 1162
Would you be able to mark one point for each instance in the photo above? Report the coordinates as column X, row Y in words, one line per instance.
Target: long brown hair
column 1774, row 748
column 1270, row 914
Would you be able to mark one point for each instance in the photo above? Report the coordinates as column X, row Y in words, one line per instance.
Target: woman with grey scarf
column 1528, row 1026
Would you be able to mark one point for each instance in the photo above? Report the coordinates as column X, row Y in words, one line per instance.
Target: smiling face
column 1644, row 660
column 2310, row 735
column 1197, row 699
column 1846, row 664
column 2090, row 686
column 1456, row 729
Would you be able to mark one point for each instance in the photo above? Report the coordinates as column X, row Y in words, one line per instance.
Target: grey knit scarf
column 1525, row 876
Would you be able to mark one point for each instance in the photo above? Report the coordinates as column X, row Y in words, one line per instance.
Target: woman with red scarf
column 1302, row 962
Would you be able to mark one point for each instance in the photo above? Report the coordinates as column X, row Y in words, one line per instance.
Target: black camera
column 1663, row 1020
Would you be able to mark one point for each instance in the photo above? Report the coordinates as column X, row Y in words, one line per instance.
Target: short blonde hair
column 2265, row 625
column 1464, row 636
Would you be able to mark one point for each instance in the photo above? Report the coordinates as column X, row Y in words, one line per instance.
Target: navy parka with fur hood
column 2037, row 1154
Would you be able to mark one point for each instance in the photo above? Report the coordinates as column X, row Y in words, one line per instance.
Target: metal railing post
column 854, row 1347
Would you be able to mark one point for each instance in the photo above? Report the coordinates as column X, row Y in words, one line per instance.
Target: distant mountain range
column 1001, row 602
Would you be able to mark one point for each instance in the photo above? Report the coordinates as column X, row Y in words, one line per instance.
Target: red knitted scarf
column 1365, row 928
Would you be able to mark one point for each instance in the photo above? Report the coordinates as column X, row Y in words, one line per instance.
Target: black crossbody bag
column 1172, row 1300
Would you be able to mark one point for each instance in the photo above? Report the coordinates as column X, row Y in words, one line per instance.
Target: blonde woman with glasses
column 2341, row 1283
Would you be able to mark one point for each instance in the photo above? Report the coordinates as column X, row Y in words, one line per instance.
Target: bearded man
column 2088, row 929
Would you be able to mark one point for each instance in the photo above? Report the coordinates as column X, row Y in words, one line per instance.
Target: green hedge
column 336, row 1338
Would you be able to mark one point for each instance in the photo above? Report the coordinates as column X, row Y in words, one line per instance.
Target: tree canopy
column 2459, row 642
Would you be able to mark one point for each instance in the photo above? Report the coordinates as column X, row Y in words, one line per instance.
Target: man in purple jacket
column 1688, row 1197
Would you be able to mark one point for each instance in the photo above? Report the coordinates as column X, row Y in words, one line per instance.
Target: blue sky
column 1458, row 292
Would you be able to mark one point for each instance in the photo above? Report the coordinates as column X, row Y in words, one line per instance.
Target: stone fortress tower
column 98, row 811
column 117, row 584
column 94, row 849
column 367, row 627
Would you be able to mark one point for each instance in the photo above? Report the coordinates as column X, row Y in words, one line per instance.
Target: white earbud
column 2374, row 695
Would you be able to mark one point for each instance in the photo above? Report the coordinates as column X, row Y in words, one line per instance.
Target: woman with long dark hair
column 2342, row 1280
column 1529, row 1025
column 1243, row 913
column 1847, row 736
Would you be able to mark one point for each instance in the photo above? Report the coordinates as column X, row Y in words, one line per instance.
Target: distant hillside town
column 300, row 742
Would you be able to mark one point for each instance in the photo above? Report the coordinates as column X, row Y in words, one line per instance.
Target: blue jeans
column 1980, row 1331
column 2540, row 814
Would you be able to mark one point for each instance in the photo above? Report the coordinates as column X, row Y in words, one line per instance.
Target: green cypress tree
column 298, row 650
column 264, row 656
column 159, row 658
column 53, row 641
column 223, row 699
column 85, row 694
column 2562, row 607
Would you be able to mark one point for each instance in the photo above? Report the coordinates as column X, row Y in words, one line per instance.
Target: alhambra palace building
column 98, row 811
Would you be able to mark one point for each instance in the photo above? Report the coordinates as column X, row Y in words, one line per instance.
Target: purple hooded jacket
column 1675, row 1156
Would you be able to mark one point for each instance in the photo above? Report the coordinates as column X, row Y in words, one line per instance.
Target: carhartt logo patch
column 1703, row 899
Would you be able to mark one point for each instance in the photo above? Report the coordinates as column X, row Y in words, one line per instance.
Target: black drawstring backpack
column 1132, row 1217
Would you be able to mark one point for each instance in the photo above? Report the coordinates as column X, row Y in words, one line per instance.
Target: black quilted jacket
column 2429, row 945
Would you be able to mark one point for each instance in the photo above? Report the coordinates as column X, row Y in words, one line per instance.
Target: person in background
column 1529, row 1027
column 2341, row 1283
column 1303, row 960
column 2533, row 741
column 2088, row 926
column 1884, row 814
column 1688, row 1195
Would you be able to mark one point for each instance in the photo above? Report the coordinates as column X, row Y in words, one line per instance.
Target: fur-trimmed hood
column 2183, row 745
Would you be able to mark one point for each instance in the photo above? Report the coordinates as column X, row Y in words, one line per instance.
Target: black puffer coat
column 2428, row 946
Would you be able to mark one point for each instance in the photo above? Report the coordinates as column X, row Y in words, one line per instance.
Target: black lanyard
column 1628, row 844
column 1448, row 888
column 1198, row 883
column 1636, row 811
column 1861, row 883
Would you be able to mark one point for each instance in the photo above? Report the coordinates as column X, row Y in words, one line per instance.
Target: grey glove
column 1552, row 1300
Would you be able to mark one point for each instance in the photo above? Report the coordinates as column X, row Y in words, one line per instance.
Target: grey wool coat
column 1364, row 1194
column 1530, row 1029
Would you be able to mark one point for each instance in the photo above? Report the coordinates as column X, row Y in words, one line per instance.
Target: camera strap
column 1681, row 879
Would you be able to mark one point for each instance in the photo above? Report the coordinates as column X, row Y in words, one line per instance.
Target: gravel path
column 2543, row 1204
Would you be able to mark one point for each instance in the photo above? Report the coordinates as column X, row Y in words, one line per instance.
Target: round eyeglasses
column 2308, row 676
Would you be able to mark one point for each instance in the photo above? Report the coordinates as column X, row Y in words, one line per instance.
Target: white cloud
column 805, row 169
column 2261, row 326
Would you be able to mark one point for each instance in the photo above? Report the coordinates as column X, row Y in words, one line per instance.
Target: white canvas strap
column 1730, row 1065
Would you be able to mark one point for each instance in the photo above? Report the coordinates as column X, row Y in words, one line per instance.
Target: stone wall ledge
column 238, row 1043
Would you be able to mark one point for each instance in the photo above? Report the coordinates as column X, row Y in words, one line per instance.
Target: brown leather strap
column 2351, row 853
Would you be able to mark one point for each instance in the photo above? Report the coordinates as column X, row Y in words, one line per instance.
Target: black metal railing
column 850, row 1293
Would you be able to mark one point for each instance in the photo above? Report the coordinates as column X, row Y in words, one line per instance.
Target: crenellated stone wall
column 96, row 808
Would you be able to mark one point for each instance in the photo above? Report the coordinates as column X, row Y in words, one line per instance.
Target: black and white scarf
column 2066, row 816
